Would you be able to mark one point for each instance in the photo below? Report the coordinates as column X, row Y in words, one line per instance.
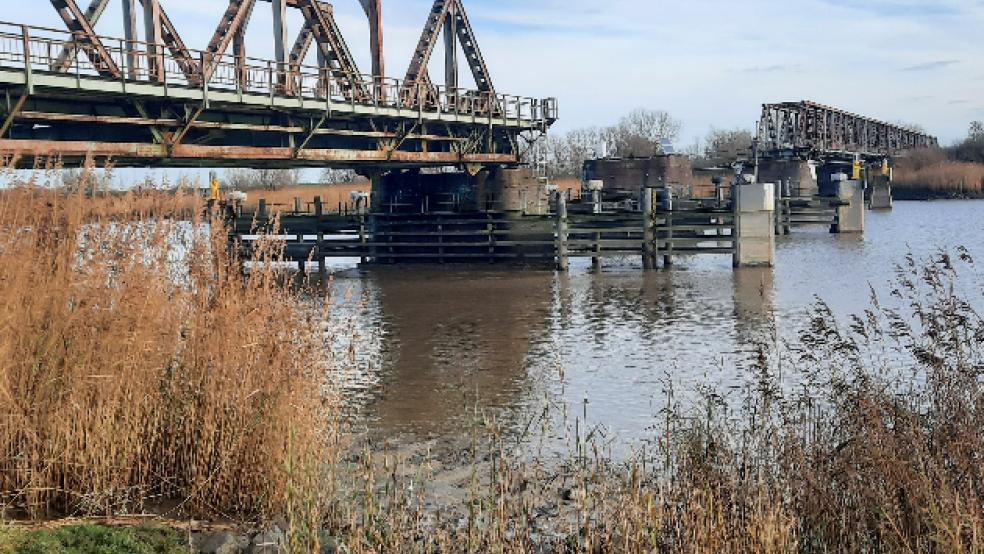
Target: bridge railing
column 56, row 51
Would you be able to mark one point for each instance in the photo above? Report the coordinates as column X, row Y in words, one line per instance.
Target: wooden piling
column 667, row 209
column 649, row 230
column 363, row 234
column 262, row 209
column 562, row 259
column 440, row 242
column 736, row 211
column 490, row 229
column 596, row 259
column 778, row 214
column 297, row 205
column 319, row 213
column 785, row 209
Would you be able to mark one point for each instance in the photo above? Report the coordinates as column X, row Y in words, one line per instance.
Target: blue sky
column 707, row 62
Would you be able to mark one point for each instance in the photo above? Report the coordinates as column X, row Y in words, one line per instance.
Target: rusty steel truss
column 820, row 130
column 152, row 100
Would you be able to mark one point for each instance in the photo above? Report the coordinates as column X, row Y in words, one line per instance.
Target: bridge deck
column 247, row 113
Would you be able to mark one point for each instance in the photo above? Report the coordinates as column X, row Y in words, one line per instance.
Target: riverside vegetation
column 144, row 371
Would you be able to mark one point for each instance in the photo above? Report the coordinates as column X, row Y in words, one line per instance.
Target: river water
column 429, row 348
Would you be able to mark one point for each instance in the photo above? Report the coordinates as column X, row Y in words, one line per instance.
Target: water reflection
column 456, row 342
column 440, row 343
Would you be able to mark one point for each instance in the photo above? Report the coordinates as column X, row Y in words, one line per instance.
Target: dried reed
column 140, row 368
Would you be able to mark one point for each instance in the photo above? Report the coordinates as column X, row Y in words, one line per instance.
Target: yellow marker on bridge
column 213, row 181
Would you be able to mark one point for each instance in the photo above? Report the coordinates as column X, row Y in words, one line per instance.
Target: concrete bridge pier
column 512, row 191
column 880, row 188
column 881, row 194
column 755, row 240
column 850, row 213
column 801, row 175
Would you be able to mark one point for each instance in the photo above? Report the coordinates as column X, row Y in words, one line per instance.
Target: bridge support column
column 881, row 193
column 562, row 231
column 755, row 238
column 850, row 214
column 801, row 175
column 377, row 196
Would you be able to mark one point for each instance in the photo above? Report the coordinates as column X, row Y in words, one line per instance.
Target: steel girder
column 450, row 17
column 85, row 37
column 809, row 126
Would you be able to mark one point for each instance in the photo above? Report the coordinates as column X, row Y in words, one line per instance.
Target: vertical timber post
column 778, row 212
column 785, row 208
column 648, row 230
column 490, row 229
column 360, row 205
column 319, row 214
column 666, row 206
column 562, row 260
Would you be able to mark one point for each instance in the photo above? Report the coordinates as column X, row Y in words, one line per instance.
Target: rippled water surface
column 430, row 346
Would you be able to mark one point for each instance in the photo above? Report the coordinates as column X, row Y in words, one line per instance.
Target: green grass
column 92, row 539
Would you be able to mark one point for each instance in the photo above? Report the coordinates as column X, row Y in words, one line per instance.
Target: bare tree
column 639, row 133
column 971, row 149
column 636, row 135
column 330, row 176
column 726, row 146
column 262, row 179
column 976, row 131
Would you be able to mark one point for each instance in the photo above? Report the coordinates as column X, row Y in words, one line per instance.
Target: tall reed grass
column 141, row 368
column 869, row 439
column 930, row 174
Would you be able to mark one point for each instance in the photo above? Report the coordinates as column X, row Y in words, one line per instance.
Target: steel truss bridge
column 822, row 131
column 71, row 95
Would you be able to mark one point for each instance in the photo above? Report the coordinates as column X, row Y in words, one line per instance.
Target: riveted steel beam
column 70, row 49
column 818, row 128
column 85, row 38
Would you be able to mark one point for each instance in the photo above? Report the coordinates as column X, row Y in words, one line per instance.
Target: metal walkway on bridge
column 72, row 95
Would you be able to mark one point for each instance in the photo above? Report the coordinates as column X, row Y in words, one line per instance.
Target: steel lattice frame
column 158, row 102
column 811, row 127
